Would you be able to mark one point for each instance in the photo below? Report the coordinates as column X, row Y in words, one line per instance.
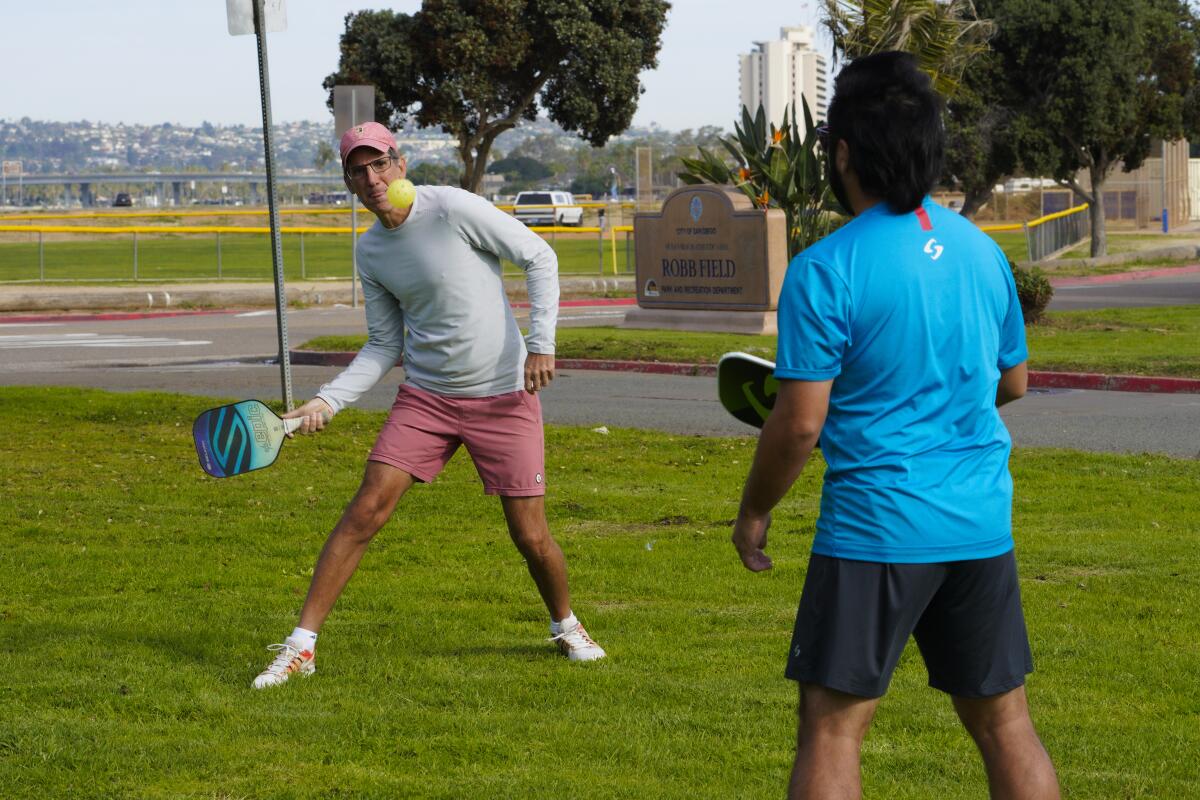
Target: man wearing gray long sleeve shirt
column 434, row 295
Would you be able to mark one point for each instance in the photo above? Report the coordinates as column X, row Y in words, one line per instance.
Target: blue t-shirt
column 913, row 316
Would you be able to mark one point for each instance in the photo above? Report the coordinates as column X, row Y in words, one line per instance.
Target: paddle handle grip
column 293, row 424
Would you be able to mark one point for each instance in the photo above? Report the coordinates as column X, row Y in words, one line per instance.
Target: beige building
column 776, row 74
column 1165, row 180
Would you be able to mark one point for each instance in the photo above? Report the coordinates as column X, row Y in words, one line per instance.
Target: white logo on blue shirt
column 933, row 249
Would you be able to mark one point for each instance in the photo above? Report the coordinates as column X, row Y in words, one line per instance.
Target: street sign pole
column 352, row 105
column 285, row 364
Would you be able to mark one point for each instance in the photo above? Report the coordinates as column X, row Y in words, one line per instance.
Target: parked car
column 122, row 199
column 552, row 208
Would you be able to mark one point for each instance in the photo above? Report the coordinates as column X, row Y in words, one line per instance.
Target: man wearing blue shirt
column 899, row 335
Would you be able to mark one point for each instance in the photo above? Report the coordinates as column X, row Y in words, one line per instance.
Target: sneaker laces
column 577, row 630
column 287, row 654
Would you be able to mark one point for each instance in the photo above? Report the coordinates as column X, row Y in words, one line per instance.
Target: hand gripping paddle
column 240, row 437
column 747, row 387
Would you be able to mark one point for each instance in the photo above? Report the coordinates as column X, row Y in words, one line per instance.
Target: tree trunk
column 973, row 200
column 1099, row 236
column 466, row 151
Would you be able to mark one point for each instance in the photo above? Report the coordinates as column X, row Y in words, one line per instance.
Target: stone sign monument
column 709, row 261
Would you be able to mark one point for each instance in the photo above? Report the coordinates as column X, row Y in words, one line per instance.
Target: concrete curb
column 1037, row 379
column 1123, row 277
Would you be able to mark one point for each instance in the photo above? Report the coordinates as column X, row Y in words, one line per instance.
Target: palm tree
column 944, row 35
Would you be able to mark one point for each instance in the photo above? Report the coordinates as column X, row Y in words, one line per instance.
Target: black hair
column 886, row 110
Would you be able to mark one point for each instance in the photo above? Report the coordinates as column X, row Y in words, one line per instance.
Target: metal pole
column 1165, row 226
column 285, row 365
column 353, row 250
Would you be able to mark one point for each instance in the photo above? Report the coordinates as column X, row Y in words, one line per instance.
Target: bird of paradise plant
column 776, row 168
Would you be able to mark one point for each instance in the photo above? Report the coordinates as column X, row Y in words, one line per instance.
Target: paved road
column 1170, row 291
column 224, row 355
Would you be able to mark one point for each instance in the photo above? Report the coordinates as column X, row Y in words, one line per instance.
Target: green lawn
column 243, row 256
column 1132, row 242
column 1127, row 341
column 1013, row 243
column 139, row 594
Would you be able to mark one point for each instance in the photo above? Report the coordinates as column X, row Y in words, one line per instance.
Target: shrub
column 1033, row 290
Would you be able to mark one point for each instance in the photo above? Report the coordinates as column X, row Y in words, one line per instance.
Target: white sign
column 11, row 167
column 352, row 105
column 241, row 16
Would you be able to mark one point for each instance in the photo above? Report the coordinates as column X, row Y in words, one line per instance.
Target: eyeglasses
column 378, row 166
column 823, row 136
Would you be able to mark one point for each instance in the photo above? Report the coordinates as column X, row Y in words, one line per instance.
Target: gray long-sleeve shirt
column 434, row 294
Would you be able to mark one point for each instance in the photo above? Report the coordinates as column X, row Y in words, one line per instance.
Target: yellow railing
column 219, row 211
column 1033, row 223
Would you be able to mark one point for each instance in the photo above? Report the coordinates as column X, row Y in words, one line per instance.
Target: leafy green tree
column 980, row 149
column 521, row 173
column 478, row 67
column 430, row 174
column 1093, row 84
column 325, row 155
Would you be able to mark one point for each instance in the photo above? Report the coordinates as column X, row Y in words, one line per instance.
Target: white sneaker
column 288, row 660
column 576, row 645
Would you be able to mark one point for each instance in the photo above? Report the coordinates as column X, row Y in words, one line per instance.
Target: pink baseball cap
column 369, row 134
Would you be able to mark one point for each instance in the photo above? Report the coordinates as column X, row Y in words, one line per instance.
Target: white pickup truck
column 548, row 208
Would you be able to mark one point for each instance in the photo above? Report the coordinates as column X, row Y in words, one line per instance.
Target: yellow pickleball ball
column 401, row 193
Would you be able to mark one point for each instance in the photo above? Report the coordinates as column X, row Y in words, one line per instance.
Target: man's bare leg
column 526, row 518
column 1018, row 767
column 382, row 487
column 828, row 744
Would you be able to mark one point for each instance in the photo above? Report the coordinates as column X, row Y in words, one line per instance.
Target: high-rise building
column 776, row 74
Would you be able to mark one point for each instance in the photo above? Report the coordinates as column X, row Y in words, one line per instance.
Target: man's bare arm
column 1013, row 383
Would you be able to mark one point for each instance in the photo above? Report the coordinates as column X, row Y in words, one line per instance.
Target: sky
column 155, row 61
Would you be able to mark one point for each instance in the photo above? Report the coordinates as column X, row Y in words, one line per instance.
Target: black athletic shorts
column 856, row 616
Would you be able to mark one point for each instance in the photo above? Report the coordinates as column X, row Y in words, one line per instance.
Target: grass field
column 1125, row 341
column 139, row 594
column 1013, row 244
column 168, row 256
column 243, row 256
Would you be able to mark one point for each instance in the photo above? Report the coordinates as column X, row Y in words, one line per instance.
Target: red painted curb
column 1121, row 277
column 113, row 316
column 1037, row 379
column 1113, row 383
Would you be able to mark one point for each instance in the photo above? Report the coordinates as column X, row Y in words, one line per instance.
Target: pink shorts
column 503, row 434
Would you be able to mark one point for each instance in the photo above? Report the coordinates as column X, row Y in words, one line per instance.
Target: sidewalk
column 152, row 297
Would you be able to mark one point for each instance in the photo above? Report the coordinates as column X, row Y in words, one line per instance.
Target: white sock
column 565, row 624
column 305, row 638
